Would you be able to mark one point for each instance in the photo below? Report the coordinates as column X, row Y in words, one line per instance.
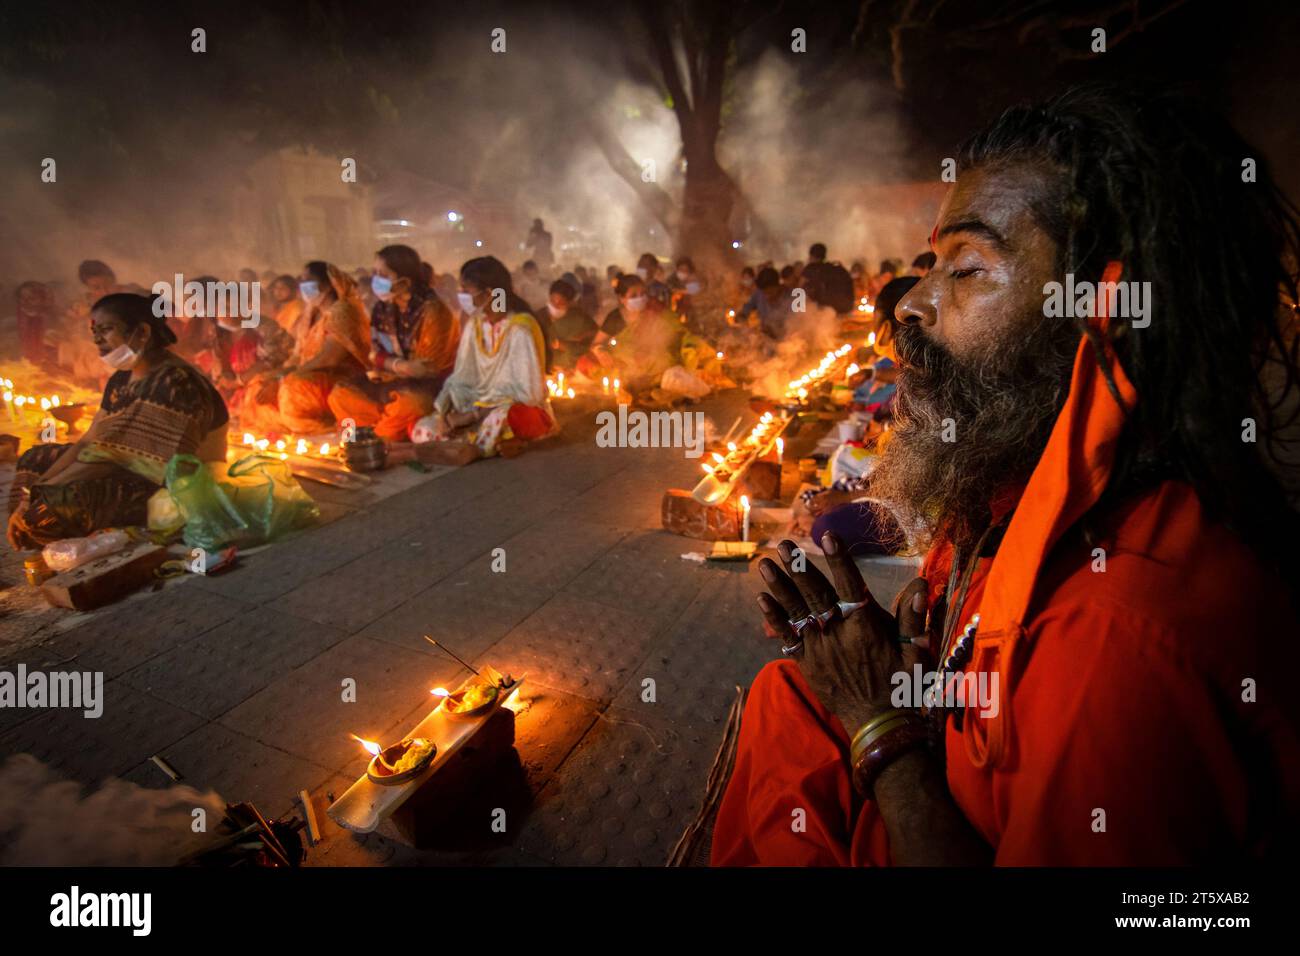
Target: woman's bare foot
column 461, row 419
column 449, row 453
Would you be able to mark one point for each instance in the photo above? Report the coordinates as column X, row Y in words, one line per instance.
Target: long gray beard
column 964, row 430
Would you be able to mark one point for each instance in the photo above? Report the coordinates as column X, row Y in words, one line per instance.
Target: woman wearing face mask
column 644, row 337
column 155, row 406
column 647, row 270
column 573, row 328
column 495, row 398
column 332, row 347
column 685, row 284
column 413, row 339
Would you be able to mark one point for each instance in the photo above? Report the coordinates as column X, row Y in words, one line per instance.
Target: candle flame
column 440, row 692
column 371, row 747
column 325, row 448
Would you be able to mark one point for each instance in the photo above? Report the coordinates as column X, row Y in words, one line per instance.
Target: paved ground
column 236, row 680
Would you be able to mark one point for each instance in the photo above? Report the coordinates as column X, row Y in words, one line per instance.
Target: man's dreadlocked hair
column 1159, row 184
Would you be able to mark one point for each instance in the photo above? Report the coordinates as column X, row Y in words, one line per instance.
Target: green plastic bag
column 211, row 521
column 268, row 496
column 255, row 500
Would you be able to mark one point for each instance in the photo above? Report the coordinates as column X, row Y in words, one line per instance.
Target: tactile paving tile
column 629, row 499
column 717, row 643
column 644, row 574
column 116, row 638
column 303, row 712
column 548, row 725
column 236, row 767
column 132, row 727
column 625, row 795
column 225, row 666
column 469, row 611
column 575, row 645
column 552, row 552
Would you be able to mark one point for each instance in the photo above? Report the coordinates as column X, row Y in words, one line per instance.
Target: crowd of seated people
column 458, row 359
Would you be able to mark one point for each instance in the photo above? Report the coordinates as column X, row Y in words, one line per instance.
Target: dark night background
column 150, row 136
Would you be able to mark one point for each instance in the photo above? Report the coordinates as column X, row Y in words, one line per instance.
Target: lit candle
column 615, row 386
column 325, row 448
column 719, row 356
column 780, row 450
column 301, row 447
column 605, row 384
column 249, row 438
column 570, row 393
column 744, row 508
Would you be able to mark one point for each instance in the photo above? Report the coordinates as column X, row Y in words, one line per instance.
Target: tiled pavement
column 236, row 679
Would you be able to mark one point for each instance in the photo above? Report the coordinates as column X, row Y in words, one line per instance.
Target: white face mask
column 121, row 358
column 636, row 303
column 643, row 273
column 555, row 313
column 466, row 302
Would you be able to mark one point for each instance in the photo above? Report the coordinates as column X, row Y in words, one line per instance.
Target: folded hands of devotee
column 849, row 661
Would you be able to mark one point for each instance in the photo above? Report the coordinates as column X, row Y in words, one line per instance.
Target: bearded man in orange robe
column 1095, row 434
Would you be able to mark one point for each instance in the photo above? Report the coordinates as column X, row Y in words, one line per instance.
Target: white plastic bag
column 678, row 380
column 72, row 552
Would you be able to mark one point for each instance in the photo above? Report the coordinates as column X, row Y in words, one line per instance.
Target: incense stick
column 452, row 655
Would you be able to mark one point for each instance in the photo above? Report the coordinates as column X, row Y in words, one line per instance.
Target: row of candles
column 281, row 446
column 15, row 401
column 512, row 702
column 755, row 443
column 558, row 388
column 798, row 388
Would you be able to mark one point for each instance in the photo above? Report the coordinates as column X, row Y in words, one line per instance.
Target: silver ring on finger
column 799, row 625
column 848, row 607
column 792, row 650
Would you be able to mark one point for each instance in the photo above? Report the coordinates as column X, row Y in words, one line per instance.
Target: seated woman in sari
column 233, row 356
column 650, row 340
column 573, row 327
column 413, row 339
column 155, row 406
column 495, row 398
column 333, row 344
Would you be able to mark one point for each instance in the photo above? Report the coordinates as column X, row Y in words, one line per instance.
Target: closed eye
column 964, row 273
